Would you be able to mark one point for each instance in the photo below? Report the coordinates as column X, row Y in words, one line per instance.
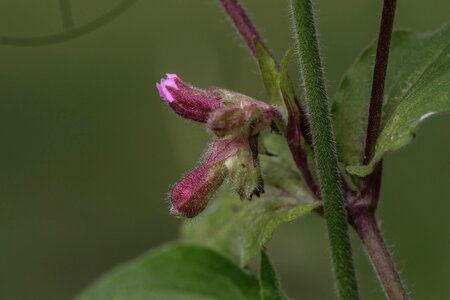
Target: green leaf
column 269, row 73
column 175, row 272
column 285, row 82
column 276, row 80
column 238, row 229
column 417, row 86
column 269, row 282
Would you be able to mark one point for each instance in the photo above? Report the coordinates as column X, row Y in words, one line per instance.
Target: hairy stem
column 367, row 228
column 364, row 222
column 243, row 24
column 325, row 147
column 379, row 76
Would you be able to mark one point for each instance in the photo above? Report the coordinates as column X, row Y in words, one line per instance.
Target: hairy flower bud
column 186, row 100
column 236, row 121
column 190, row 196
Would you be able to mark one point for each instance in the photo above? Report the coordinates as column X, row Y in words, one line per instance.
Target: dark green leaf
column 269, row 282
column 176, row 272
column 238, row 229
column 417, row 86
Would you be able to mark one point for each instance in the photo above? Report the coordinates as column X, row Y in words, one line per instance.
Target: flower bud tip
column 164, row 83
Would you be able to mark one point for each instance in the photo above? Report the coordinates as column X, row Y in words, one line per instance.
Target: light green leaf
column 417, row 86
column 276, row 80
column 238, row 229
column 269, row 73
column 175, row 272
column 269, row 282
column 285, row 82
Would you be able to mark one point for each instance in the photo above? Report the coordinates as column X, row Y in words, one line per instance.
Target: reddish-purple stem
column 362, row 217
column 367, row 228
column 379, row 76
column 300, row 159
column 242, row 23
column 372, row 183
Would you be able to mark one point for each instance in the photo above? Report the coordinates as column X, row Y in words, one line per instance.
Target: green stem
column 325, row 147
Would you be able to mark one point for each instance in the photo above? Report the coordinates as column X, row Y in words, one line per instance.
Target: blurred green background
column 89, row 151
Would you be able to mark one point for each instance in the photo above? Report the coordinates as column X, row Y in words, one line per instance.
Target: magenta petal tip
column 167, row 82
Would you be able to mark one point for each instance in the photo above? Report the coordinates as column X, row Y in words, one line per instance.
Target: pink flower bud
column 236, row 120
column 190, row 196
column 186, row 100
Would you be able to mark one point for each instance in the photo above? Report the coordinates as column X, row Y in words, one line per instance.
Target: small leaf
column 269, row 73
column 238, row 229
column 175, row 272
column 269, row 282
column 276, row 80
column 417, row 86
column 285, row 82
column 288, row 94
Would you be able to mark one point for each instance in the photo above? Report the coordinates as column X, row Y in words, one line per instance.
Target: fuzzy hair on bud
column 190, row 196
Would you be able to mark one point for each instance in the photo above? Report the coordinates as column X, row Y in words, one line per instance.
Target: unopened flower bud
column 236, row 121
column 186, row 100
column 190, row 196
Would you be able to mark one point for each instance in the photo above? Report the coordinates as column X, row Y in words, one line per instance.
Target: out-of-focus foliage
column 177, row 272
